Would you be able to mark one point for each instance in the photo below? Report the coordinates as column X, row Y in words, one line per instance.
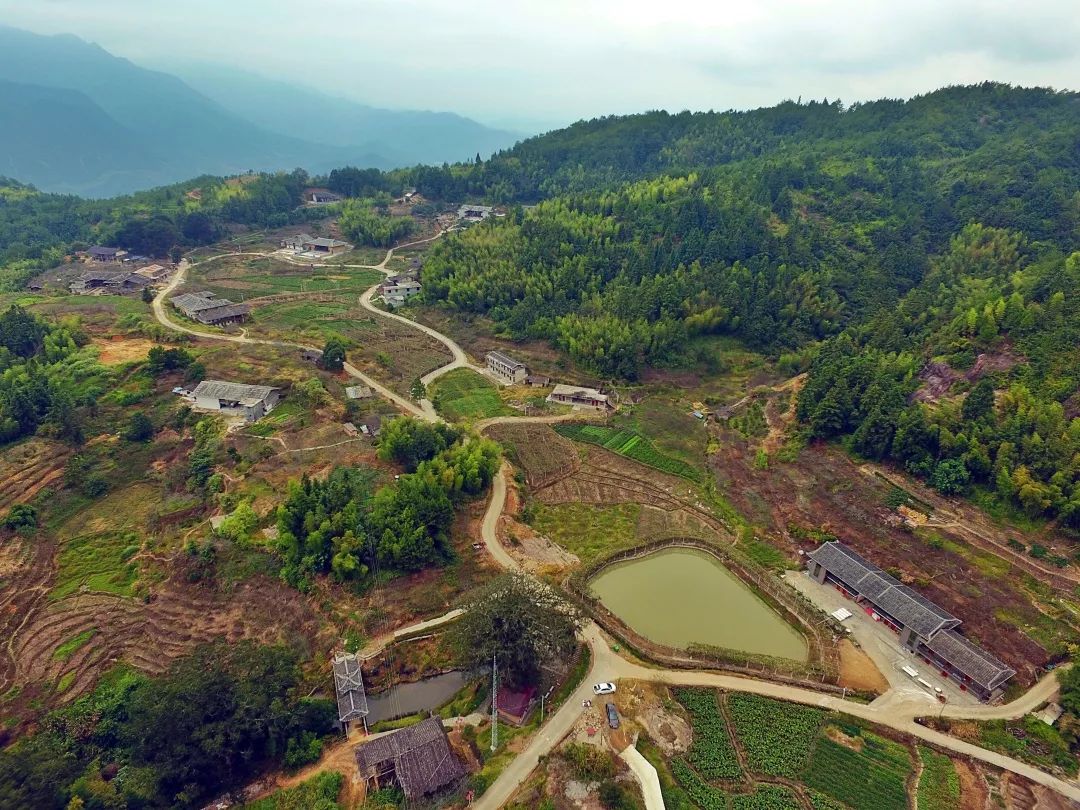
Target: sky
column 535, row 64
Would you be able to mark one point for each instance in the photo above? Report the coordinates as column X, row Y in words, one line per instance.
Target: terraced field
column 630, row 444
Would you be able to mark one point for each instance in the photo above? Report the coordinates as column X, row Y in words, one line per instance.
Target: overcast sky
column 539, row 63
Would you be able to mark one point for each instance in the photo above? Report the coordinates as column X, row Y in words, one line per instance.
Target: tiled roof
column 233, row 392
column 907, row 606
column 349, row 685
column 972, row 660
column 423, row 759
column 505, row 359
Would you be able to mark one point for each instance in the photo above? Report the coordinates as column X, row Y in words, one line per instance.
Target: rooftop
column 233, row 392
column 505, row 359
column 578, row 391
column 349, row 685
column 971, row 659
column 324, row 241
column 907, row 606
column 222, row 311
column 423, row 759
column 195, row 301
column 515, row 702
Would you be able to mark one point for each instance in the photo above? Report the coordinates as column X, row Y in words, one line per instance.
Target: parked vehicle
column 603, row 689
column 612, row 715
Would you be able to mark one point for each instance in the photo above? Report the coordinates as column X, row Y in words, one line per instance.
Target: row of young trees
column 345, row 528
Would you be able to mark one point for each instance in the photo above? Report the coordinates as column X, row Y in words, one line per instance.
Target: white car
column 603, row 688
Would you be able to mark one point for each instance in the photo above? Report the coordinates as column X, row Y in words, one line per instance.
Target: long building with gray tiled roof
column 418, row 759
column 924, row 627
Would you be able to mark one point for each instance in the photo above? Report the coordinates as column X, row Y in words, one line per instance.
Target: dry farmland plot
column 543, row 454
column 28, row 467
column 244, row 278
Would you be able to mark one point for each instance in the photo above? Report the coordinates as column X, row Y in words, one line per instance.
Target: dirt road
column 607, row 666
column 163, row 318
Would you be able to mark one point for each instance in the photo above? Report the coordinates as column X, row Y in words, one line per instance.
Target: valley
column 600, row 439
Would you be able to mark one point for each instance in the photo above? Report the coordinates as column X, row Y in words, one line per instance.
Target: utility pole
column 494, row 704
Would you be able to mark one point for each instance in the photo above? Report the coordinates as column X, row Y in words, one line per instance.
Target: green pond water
column 680, row 596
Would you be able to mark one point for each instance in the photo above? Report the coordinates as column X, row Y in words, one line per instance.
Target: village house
column 154, row 272
column 506, row 368
column 105, row 254
column 515, row 705
column 296, row 242
column 419, row 760
column 358, row 392
column 236, row 399
column 475, row 213
column 207, row 308
column 371, row 426
column 321, row 196
column 579, row 397
column 924, row 628
column 110, row 281
column 538, row 381
column 324, row 244
column 396, row 290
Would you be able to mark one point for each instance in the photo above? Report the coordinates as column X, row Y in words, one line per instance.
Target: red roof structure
column 514, row 704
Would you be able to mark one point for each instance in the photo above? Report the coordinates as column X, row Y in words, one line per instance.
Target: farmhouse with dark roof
column 924, row 628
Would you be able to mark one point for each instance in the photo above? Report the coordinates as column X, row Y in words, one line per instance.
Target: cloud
column 556, row 60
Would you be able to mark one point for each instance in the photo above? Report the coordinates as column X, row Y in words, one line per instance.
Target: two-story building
column 506, row 368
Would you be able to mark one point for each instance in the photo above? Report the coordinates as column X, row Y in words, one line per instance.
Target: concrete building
column 579, row 397
column 506, row 368
column 396, row 290
column 296, row 242
column 924, row 628
column 235, row 399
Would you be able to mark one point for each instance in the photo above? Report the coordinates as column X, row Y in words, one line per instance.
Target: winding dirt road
column 606, row 665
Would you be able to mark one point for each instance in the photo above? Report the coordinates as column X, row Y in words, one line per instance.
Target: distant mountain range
column 76, row 119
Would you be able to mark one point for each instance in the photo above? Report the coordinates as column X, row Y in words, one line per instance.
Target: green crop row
column 871, row 779
column 939, row 786
column 700, row 792
column 776, row 737
column 711, row 753
column 629, row 444
column 766, row 797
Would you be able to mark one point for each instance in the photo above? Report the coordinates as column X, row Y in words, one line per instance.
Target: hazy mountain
column 38, row 126
column 407, row 137
column 118, row 127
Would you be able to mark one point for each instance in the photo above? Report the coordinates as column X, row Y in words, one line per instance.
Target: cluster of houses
column 510, row 371
column 207, row 308
column 924, row 628
column 304, row 244
column 115, row 279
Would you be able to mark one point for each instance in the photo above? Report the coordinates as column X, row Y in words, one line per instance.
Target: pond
column 409, row 698
column 681, row 596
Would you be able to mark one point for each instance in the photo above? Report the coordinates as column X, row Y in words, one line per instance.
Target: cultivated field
column 464, row 394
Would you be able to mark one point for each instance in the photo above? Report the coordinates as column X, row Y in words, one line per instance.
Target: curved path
column 606, row 665
column 163, row 318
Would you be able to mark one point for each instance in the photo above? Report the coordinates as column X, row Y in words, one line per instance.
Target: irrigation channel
column 682, row 596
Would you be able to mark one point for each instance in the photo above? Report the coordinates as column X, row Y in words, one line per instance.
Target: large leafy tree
column 523, row 622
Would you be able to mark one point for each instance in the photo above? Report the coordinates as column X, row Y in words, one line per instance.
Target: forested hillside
column 879, row 238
